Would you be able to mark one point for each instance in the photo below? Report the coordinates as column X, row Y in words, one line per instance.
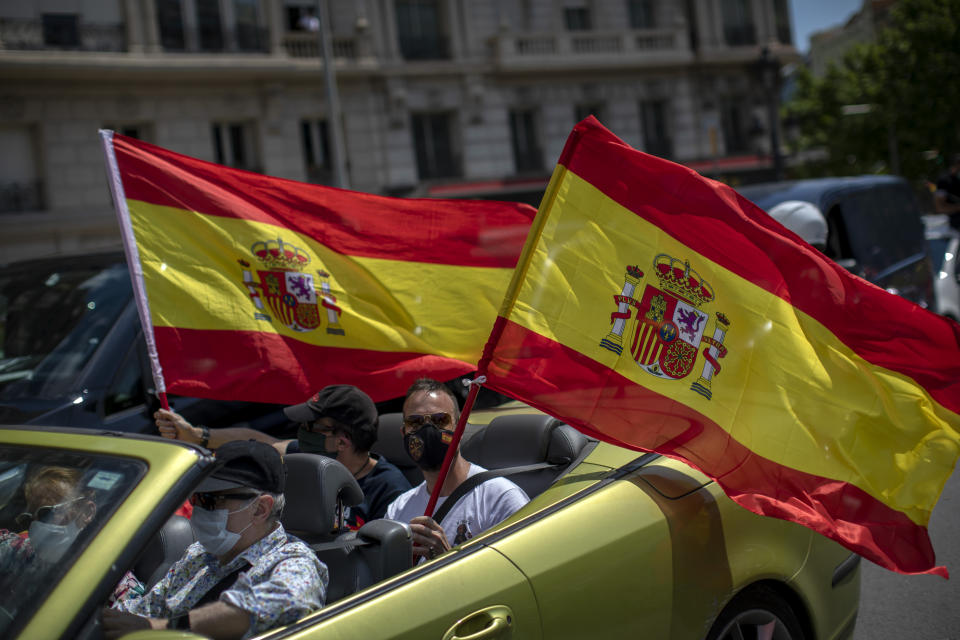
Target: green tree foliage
column 910, row 80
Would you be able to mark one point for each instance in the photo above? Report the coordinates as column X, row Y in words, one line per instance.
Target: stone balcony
column 570, row 50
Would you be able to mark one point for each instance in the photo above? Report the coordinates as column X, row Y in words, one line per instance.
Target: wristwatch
column 204, row 436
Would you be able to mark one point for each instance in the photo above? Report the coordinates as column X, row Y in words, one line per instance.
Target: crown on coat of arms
column 678, row 278
column 277, row 254
column 634, row 271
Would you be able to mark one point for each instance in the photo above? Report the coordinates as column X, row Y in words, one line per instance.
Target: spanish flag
column 659, row 310
column 263, row 289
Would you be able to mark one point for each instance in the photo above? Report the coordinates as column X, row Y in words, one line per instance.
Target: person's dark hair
column 363, row 436
column 429, row 385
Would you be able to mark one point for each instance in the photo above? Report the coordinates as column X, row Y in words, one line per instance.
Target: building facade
column 830, row 45
column 438, row 98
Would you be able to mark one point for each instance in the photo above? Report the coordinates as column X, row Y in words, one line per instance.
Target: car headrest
column 389, row 442
column 315, row 486
column 516, row 440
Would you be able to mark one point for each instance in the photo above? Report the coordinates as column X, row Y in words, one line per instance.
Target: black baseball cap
column 344, row 403
column 246, row 463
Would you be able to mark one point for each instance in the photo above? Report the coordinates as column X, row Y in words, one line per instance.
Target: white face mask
column 51, row 541
column 212, row 532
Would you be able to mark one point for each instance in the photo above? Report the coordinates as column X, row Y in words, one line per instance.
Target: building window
column 527, row 155
column 316, row 151
column 249, row 35
column 582, row 111
column 140, row 131
column 434, row 145
column 735, row 122
column 642, row 14
column 738, row 27
column 656, row 128
column 20, row 186
column 419, row 30
column 234, row 145
column 209, row 26
column 781, row 17
column 170, row 21
column 61, row 30
column 577, row 18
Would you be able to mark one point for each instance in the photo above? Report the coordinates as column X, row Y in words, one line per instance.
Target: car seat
column 165, row 548
column 521, row 440
column 318, row 489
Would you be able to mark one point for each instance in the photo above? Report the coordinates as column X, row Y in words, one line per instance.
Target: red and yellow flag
column 264, row 289
column 659, row 310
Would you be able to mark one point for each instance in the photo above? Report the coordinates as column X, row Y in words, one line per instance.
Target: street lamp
column 770, row 77
column 338, row 152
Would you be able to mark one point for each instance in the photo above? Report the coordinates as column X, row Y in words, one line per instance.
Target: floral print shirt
column 285, row 582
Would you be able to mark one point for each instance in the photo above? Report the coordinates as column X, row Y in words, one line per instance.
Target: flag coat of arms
column 264, row 289
column 659, row 310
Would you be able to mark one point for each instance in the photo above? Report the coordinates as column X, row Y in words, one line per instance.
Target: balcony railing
column 22, row 33
column 307, row 45
column 626, row 47
column 21, row 196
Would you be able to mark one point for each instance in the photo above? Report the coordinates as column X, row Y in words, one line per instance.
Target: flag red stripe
column 758, row 249
column 267, row 367
column 574, row 388
column 458, row 232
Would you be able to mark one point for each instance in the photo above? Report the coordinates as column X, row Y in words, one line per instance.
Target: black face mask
column 428, row 446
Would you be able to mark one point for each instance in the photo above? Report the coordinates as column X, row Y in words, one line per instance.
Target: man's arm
column 218, row 620
column 943, row 203
column 174, row 426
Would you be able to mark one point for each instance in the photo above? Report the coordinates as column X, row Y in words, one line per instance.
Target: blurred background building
column 439, row 98
column 830, row 45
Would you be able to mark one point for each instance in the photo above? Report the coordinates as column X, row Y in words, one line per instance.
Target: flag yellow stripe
column 788, row 389
column 195, row 281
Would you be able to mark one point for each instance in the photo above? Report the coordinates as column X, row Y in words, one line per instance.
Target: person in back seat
column 245, row 574
column 339, row 421
column 430, row 413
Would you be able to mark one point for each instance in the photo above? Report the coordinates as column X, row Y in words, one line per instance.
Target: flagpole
column 475, row 385
column 133, row 263
column 498, row 326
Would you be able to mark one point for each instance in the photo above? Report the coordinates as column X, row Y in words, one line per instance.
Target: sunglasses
column 209, row 501
column 415, row 420
column 45, row 513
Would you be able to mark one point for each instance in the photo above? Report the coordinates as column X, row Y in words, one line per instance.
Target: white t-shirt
column 486, row 505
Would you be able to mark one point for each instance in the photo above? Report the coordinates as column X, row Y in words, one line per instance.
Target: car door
column 474, row 592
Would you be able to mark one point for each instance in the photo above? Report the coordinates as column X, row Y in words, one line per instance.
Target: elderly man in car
column 245, row 574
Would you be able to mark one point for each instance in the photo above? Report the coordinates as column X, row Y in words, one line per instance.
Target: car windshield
column 52, row 504
column 52, row 318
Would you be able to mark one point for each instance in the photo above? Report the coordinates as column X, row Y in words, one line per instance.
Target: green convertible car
column 614, row 544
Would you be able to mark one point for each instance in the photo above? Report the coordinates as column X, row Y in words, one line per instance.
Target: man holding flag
column 429, row 413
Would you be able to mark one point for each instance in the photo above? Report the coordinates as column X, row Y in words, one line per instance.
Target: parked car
column 943, row 246
column 613, row 544
column 874, row 228
column 72, row 354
